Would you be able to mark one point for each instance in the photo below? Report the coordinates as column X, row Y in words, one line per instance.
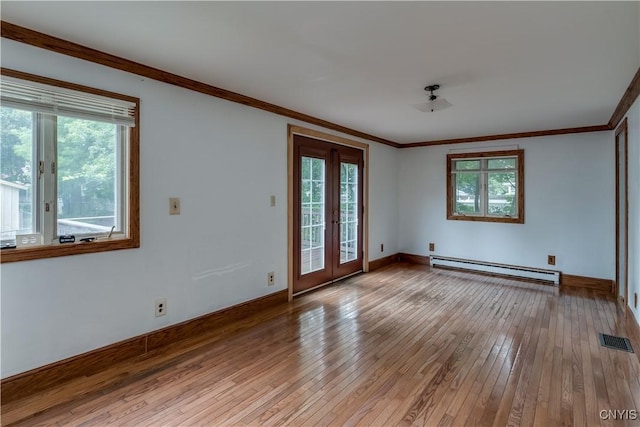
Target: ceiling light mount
column 431, row 88
column 435, row 102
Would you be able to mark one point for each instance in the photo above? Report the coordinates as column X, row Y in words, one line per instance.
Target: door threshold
column 326, row 283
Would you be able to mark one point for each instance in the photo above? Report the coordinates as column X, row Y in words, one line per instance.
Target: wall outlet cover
column 23, row 240
column 160, row 307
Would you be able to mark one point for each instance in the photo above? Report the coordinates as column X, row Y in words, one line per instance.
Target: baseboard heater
column 547, row 276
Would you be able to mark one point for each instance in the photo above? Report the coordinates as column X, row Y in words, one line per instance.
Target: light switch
column 273, row 201
column 174, row 206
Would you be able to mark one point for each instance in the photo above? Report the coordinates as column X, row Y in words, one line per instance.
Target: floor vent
column 618, row 343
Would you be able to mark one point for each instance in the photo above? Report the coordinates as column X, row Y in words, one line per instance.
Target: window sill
column 486, row 219
column 51, row 251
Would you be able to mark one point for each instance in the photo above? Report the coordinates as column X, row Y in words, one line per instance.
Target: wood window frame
column 132, row 239
column 519, row 154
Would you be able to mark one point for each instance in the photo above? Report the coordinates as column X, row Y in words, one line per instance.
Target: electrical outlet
column 174, row 206
column 432, row 247
column 551, row 259
column 381, row 247
column 271, row 279
column 161, row 307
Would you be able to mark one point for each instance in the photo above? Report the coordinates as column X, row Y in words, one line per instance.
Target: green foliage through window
column 86, row 169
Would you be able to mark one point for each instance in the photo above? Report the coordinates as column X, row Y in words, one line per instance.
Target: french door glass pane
column 348, row 212
column 312, row 223
column 87, row 176
column 17, row 174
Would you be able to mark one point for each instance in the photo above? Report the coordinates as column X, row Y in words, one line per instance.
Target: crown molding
column 627, row 100
column 597, row 128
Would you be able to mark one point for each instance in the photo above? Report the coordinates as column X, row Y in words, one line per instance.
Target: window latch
column 53, row 167
column 41, row 167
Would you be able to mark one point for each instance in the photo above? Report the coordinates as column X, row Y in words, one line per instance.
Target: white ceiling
column 506, row 66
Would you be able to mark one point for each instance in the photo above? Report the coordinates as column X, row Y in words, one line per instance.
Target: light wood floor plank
column 405, row 345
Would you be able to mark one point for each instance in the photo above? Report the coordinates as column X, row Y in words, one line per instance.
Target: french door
column 328, row 201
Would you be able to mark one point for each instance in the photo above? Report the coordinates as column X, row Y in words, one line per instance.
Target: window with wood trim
column 69, row 170
column 486, row 186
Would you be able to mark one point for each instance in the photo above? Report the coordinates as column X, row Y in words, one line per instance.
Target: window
column 486, row 186
column 69, row 166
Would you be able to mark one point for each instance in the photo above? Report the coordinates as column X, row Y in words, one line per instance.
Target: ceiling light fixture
column 435, row 103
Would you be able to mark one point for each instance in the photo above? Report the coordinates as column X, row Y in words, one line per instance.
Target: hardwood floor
column 404, row 345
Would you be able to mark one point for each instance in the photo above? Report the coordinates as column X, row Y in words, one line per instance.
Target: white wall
column 383, row 208
column 633, row 123
column 223, row 160
column 569, row 207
